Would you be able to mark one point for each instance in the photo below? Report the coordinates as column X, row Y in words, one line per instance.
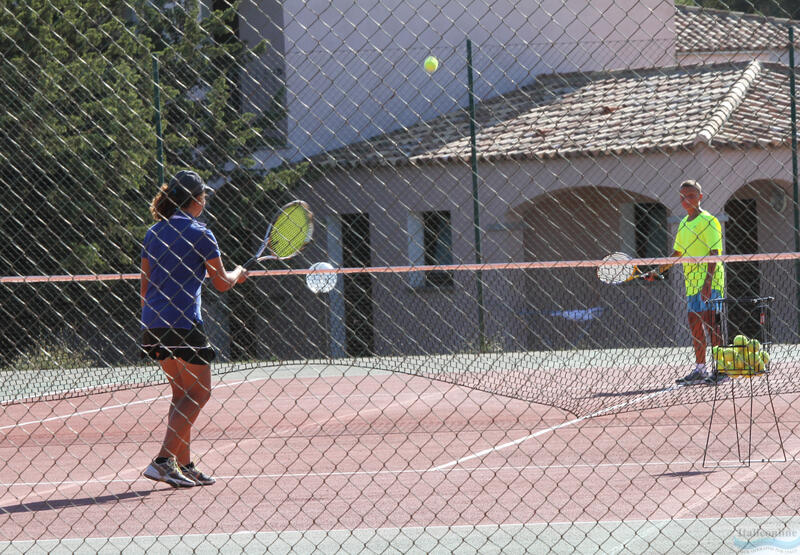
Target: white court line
column 436, row 532
column 548, row 430
column 60, row 486
column 112, row 407
column 129, row 404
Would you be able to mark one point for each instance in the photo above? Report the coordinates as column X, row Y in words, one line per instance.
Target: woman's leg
column 191, row 389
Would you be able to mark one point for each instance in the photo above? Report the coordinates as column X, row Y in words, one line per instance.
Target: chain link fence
column 467, row 383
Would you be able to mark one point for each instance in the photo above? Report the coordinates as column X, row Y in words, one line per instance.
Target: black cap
column 186, row 185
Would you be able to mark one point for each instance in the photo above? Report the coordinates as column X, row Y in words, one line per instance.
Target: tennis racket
column 289, row 232
column 616, row 274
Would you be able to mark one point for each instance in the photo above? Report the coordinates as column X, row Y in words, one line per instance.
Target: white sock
column 701, row 367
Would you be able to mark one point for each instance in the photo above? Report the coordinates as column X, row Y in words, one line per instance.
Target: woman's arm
column 222, row 279
column 145, row 278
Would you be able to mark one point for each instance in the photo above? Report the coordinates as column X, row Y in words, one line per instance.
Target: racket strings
column 616, row 273
column 291, row 231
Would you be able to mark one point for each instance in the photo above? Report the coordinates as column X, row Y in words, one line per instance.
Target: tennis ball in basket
column 764, row 355
column 751, row 352
column 430, row 64
column 740, row 341
column 727, row 358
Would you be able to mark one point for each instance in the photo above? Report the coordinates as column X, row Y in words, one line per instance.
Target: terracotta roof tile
column 705, row 30
column 581, row 114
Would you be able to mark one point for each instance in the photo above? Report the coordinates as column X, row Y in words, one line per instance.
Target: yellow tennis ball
column 764, row 355
column 751, row 352
column 740, row 341
column 727, row 358
column 431, row 64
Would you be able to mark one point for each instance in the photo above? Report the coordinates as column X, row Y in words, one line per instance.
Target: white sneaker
column 169, row 473
column 199, row 477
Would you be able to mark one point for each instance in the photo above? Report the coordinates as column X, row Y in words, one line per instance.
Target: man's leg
column 697, row 326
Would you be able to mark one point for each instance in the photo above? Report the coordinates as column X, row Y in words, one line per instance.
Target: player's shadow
column 56, row 504
column 685, row 473
column 629, row 393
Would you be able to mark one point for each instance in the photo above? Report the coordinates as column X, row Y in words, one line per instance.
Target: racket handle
column 651, row 276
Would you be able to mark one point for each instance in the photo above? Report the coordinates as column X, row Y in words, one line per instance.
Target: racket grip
column 653, row 276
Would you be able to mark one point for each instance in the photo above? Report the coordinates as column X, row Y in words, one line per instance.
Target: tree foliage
column 78, row 157
column 77, row 141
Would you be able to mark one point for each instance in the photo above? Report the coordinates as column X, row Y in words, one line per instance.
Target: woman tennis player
column 176, row 254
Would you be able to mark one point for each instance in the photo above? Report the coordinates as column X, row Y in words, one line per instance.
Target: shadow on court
column 55, row 504
column 685, row 474
column 630, row 393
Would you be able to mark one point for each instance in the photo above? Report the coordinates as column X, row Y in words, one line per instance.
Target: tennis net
column 545, row 332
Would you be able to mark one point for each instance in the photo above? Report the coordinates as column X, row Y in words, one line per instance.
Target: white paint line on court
column 552, row 429
column 162, row 397
column 57, row 486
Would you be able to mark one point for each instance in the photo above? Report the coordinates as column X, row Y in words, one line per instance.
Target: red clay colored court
column 364, row 462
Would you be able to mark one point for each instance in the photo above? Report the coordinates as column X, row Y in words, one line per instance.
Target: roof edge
column 729, row 103
column 777, row 20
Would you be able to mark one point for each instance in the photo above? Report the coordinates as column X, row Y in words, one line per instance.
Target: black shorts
column 189, row 345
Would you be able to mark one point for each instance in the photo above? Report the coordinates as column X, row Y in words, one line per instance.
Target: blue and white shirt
column 177, row 250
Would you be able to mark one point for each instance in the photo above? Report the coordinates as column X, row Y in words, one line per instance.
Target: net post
column 475, row 205
column 157, row 121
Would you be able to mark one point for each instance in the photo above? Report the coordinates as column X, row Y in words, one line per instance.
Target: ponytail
column 162, row 207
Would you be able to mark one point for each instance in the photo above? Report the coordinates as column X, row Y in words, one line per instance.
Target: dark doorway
column 356, row 253
column 743, row 279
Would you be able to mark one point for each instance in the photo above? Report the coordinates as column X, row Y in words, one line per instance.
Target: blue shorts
column 696, row 303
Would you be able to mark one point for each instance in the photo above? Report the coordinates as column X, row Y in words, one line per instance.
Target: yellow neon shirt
column 699, row 237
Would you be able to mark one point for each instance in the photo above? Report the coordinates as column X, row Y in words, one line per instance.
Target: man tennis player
column 176, row 254
column 699, row 234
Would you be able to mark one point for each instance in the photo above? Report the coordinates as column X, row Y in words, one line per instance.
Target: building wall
column 539, row 211
column 264, row 78
column 354, row 69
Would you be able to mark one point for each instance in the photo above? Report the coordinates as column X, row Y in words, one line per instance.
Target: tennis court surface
column 349, row 458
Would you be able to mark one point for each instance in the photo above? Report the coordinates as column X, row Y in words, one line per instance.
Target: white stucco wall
column 592, row 190
column 354, row 69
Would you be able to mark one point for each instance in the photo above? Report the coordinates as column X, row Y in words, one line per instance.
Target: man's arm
column 711, row 267
column 652, row 275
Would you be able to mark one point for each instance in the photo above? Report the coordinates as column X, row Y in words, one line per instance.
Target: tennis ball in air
column 430, row 64
column 321, row 283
